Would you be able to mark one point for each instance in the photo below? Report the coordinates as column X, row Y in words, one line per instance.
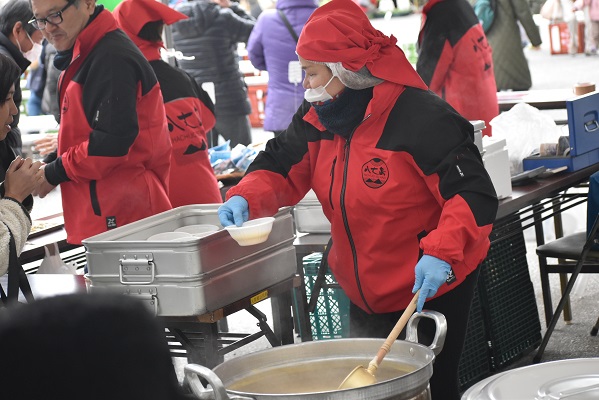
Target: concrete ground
column 568, row 340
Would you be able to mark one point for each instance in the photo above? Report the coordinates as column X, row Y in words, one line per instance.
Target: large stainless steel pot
column 576, row 379
column 313, row 370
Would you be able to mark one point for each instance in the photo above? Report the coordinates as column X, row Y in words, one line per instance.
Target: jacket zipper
column 344, row 213
column 60, row 83
column 93, row 192
column 332, row 181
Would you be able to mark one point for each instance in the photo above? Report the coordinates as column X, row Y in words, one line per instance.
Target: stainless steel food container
column 478, row 133
column 309, row 217
column 575, row 379
column 189, row 277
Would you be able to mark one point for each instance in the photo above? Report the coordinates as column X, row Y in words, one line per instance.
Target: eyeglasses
column 53, row 19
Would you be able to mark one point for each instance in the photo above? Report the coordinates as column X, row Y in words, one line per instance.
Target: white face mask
column 318, row 94
column 35, row 52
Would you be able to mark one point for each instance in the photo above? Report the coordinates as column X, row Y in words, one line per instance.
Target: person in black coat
column 211, row 35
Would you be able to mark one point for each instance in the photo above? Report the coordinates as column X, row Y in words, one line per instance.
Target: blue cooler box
column 583, row 124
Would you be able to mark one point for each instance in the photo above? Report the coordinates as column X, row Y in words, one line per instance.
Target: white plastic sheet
column 524, row 128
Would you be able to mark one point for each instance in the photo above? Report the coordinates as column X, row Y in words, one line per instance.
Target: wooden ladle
column 361, row 376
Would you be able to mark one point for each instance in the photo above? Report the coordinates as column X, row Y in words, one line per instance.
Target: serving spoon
column 361, row 376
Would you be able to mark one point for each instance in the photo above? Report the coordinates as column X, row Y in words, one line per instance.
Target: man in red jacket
column 189, row 110
column 114, row 150
column 455, row 60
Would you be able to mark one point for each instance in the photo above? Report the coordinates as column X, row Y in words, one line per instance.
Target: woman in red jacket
column 398, row 176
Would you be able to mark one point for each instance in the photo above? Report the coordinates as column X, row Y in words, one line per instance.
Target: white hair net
column 361, row 79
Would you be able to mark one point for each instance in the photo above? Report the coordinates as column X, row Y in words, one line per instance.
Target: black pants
column 455, row 306
column 236, row 128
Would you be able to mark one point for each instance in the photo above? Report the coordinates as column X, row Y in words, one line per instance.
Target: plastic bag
column 524, row 128
column 53, row 264
column 552, row 10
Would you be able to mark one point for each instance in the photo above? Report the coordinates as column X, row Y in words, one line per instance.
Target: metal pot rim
column 407, row 352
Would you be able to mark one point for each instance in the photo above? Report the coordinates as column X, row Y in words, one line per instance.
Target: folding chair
column 577, row 255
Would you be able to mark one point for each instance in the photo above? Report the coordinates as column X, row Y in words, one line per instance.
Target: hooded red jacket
column 113, row 144
column 408, row 180
column 189, row 110
column 455, row 60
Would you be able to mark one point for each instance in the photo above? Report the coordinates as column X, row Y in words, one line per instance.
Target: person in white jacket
column 592, row 43
column 22, row 176
column 569, row 17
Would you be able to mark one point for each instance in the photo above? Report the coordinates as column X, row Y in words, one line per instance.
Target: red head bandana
column 132, row 15
column 340, row 31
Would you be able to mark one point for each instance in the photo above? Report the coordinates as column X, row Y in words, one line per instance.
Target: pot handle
column 193, row 372
column 570, row 393
column 440, row 323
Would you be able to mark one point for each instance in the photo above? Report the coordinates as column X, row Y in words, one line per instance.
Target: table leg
column 595, row 328
column 563, row 278
column 273, row 338
column 302, row 319
column 282, row 319
column 545, row 286
column 200, row 341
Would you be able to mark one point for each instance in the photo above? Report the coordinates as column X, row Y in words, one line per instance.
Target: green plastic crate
column 330, row 319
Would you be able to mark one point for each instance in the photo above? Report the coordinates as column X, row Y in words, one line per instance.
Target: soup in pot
column 310, row 377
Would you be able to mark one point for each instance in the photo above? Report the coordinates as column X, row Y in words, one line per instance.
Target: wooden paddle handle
column 403, row 320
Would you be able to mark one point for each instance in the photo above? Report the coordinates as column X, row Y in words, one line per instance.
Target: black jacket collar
column 14, row 52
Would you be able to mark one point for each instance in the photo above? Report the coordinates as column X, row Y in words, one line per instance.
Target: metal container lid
column 565, row 379
column 478, row 125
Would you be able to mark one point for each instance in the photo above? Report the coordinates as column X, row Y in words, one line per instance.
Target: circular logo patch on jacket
column 375, row 173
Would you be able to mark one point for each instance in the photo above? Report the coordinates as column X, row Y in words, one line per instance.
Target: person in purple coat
column 271, row 47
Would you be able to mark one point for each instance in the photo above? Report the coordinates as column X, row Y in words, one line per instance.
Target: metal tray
column 44, row 226
column 309, row 217
column 190, row 277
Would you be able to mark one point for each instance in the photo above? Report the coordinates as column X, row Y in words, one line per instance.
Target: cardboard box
column 583, row 126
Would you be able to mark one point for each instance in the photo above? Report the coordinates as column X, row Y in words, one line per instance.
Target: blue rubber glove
column 431, row 273
column 234, row 211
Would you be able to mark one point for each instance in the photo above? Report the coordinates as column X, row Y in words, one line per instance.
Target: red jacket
column 408, row 181
column 189, row 110
column 455, row 60
column 192, row 179
column 113, row 144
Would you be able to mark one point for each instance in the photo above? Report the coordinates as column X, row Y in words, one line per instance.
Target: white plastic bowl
column 199, row 230
column 251, row 232
column 170, row 237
